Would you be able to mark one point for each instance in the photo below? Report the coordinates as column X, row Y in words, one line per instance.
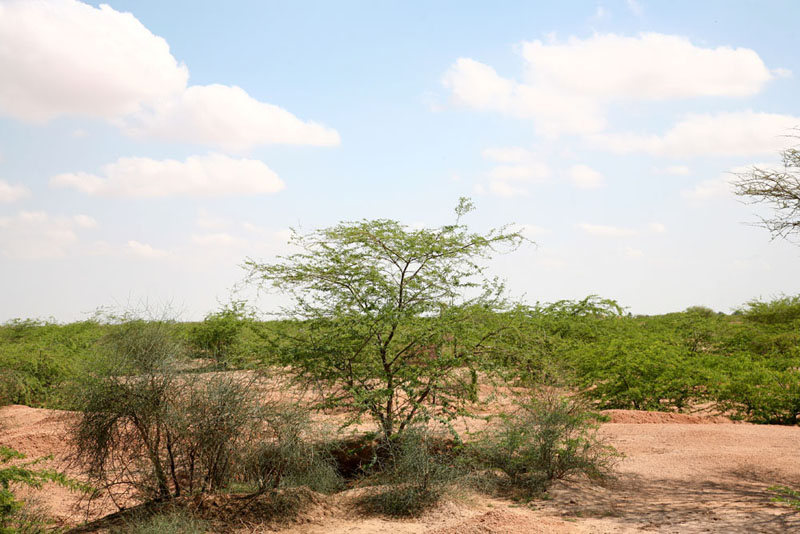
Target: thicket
column 746, row 364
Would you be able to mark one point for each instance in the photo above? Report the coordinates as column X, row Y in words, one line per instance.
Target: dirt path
column 681, row 474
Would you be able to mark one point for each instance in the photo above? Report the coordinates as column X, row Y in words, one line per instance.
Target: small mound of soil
column 642, row 417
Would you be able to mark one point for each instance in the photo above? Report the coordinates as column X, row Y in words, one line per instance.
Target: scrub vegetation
column 393, row 328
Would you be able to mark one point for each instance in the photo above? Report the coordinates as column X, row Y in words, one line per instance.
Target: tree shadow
column 735, row 502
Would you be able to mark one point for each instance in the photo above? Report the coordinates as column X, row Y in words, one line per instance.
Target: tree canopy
column 395, row 318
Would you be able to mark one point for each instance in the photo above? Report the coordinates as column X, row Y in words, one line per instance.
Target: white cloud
column 584, row 177
column 657, row 228
column 519, row 168
column 64, row 57
column 224, row 116
column 143, row 250
column 36, row 234
column 212, row 175
column 606, row 231
column 633, row 252
column 723, row 134
column 11, row 193
column 567, row 86
column 476, row 85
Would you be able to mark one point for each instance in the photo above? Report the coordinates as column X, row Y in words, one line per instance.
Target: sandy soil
column 681, row 474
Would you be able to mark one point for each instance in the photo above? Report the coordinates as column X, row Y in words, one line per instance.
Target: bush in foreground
column 415, row 469
column 151, row 431
column 550, row 437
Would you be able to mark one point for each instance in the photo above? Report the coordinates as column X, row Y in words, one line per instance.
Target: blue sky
column 148, row 148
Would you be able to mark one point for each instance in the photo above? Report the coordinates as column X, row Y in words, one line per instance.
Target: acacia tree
column 390, row 317
column 780, row 189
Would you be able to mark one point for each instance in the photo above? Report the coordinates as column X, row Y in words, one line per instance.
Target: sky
column 148, row 148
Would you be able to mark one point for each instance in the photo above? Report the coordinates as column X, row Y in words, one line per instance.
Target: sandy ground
column 681, row 474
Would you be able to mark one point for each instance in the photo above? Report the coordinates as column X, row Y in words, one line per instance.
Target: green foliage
column 155, row 431
column 787, row 496
column 778, row 311
column 388, row 315
column 150, row 428
column 37, row 359
column 219, row 336
column 13, row 519
column 550, row 437
column 288, row 455
column 415, row 469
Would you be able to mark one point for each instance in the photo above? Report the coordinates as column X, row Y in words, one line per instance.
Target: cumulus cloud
column 584, row 177
column 476, row 85
column 606, row 231
column 64, row 57
column 567, row 86
column 220, row 115
column 61, row 57
column 721, row 134
column 518, row 168
column 212, row 175
column 11, row 193
column 37, row 235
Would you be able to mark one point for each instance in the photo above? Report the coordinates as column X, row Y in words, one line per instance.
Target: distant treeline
column 745, row 364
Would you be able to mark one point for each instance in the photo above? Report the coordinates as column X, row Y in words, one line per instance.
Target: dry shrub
column 551, row 436
column 150, row 431
column 287, row 455
column 415, row 469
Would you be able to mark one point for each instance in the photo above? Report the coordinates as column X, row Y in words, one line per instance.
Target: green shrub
column 288, row 454
column 550, row 437
column 780, row 310
column 218, row 336
column 154, row 430
column 37, row 359
column 15, row 516
column 415, row 469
